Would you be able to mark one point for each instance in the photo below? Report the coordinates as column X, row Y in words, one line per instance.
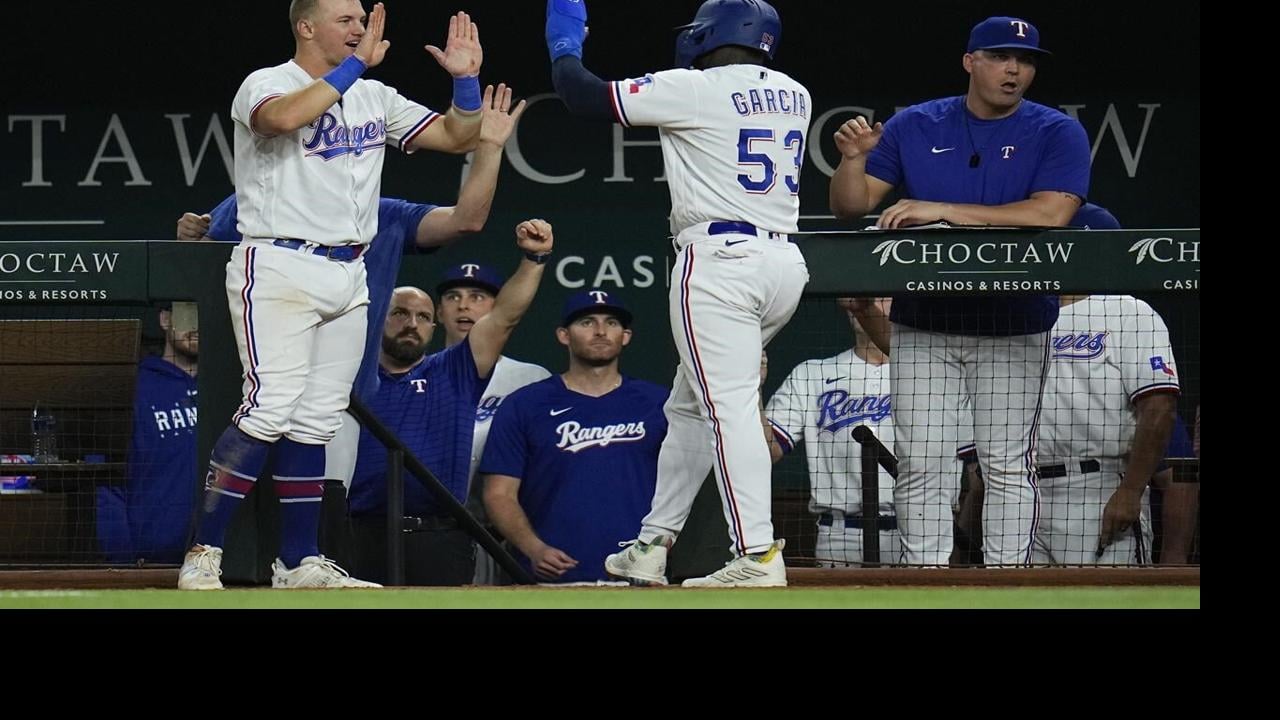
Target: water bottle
column 44, row 434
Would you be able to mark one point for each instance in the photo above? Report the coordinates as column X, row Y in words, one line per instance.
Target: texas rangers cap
column 1005, row 32
column 589, row 302
column 469, row 274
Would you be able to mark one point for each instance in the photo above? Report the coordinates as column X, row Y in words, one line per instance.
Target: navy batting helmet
column 749, row 23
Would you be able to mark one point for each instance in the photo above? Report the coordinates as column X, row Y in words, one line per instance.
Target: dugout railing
column 113, row 279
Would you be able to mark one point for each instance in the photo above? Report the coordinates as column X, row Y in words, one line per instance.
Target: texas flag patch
column 1158, row 363
column 639, row 85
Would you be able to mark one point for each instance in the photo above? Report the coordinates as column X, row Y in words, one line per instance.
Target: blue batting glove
column 566, row 27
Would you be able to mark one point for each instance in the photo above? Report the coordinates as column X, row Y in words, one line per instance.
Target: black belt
column 722, row 227
column 337, row 253
column 887, row 522
column 1057, row 471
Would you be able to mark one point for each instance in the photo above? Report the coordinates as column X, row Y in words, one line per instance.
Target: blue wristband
column 346, row 74
column 566, row 28
column 466, row 93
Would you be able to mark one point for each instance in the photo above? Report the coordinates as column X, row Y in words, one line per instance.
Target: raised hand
column 856, row 138
column 496, row 124
column 372, row 48
column 462, row 54
column 534, row 236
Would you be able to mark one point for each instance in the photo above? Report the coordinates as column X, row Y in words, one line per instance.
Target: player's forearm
column 1048, row 210
column 517, row 295
column 848, row 195
column 507, row 515
column 1179, row 521
column 1155, row 414
column 444, row 225
column 295, row 110
column 877, row 326
column 581, row 91
column 475, row 200
column 775, row 448
column 461, row 130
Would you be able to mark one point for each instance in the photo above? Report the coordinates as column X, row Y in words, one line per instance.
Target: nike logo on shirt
column 730, row 243
column 561, row 412
column 935, row 150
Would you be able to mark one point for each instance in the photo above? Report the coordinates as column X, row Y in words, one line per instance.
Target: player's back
column 733, row 138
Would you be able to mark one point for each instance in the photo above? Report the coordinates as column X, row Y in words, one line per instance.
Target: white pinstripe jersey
column 733, row 139
column 1105, row 352
column 508, row 376
column 820, row 403
column 320, row 183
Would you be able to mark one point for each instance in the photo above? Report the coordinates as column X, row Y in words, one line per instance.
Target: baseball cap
column 1005, row 32
column 471, row 274
column 589, row 302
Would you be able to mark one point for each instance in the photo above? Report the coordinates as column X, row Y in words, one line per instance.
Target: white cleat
column 764, row 569
column 640, row 563
column 201, row 569
column 315, row 571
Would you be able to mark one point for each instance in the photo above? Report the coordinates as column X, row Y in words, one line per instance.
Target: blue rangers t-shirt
column 587, row 465
column 926, row 153
column 432, row 408
column 398, row 222
column 150, row 517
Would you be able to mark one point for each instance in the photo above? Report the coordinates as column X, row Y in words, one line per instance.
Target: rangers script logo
column 574, row 437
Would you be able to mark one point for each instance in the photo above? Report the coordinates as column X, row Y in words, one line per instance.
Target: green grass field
column 1056, row 598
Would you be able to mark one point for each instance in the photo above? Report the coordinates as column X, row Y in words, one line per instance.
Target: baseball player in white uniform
column 309, row 141
column 819, row 404
column 1109, row 406
column 733, row 136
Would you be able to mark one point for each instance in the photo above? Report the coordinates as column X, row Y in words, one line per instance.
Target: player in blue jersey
column 989, row 157
column 467, row 292
column 402, row 227
column 430, row 401
column 572, row 461
column 149, row 518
